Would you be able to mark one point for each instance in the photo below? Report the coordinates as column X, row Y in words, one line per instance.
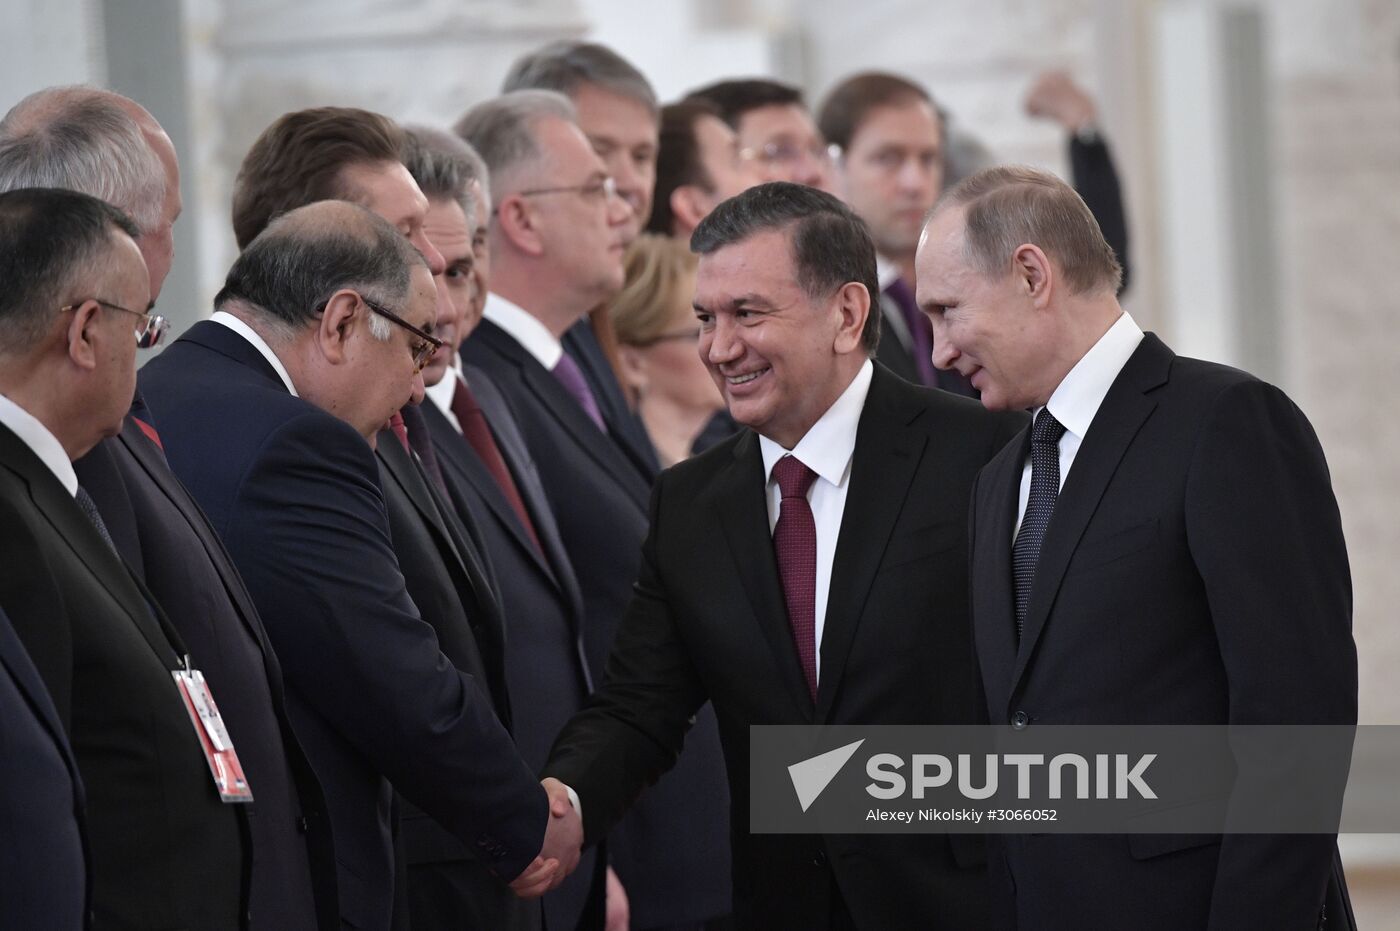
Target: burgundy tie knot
column 794, row 478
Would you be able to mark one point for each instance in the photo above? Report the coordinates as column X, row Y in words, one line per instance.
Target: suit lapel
column 68, row 521
column 743, row 509
column 1124, row 410
column 887, row 455
column 152, row 462
column 27, row 680
column 994, row 606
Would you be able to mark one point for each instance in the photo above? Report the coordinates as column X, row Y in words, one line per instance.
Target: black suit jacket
column 165, row 538
column 295, row 494
column 165, row 852
column 447, row 578
column 43, row 867
column 598, row 498
column 1194, row 572
column 709, row 622
column 540, row 601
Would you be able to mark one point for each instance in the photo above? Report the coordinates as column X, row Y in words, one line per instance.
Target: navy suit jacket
column 1193, row 572
column 165, row 538
column 165, row 851
column 43, row 867
column 542, row 608
column 295, row 494
column 598, row 497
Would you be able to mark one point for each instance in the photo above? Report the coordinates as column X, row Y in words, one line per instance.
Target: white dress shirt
column 251, row 335
column 443, row 392
column 827, row 450
column 527, row 330
column 40, row 441
column 1078, row 397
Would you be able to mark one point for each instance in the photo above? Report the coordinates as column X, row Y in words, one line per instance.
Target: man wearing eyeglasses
column 163, row 851
column 101, row 143
column 359, row 599
column 775, row 130
column 557, row 237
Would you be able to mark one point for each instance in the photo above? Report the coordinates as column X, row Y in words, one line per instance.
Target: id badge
column 213, row 736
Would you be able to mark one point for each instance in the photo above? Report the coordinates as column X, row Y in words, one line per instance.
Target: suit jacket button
column 819, row 859
column 1020, row 720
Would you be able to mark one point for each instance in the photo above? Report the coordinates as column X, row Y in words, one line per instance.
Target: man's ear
column 853, row 304
column 338, row 323
column 519, row 225
column 689, row 205
column 79, row 333
column 1035, row 276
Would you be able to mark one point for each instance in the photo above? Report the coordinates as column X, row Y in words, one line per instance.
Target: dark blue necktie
column 1045, row 489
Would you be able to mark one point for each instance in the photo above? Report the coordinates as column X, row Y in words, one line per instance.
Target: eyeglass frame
column 787, row 153
column 155, row 323
column 426, row 353
column 607, row 186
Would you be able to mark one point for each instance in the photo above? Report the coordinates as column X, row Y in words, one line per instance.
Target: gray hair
column 563, row 65
column 445, row 167
column 1011, row 205
column 502, row 130
column 294, row 266
column 83, row 139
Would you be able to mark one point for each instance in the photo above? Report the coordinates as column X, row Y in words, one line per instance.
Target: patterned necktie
column 478, row 433
column 90, row 510
column 571, row 377
column 1045, row 490
column 795, row 544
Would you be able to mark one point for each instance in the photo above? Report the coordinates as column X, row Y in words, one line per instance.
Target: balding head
column 103, row 144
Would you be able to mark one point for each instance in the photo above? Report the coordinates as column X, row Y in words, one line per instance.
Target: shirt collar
column 1077, row 398
column 527, row 330
column 829, row 444
column 41, row 442
column 885, row 271
column 442, row 393
column 238, row 326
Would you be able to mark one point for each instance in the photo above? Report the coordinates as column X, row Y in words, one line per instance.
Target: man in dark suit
column 556, row 251
column 492, row 483
column 80, row 138
column 269, row 411
column 1162, row 546
column 164, row 850
column 43, row 870
column 618, row 112
column 810, row 570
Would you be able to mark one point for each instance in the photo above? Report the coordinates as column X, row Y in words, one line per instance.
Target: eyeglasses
column 423, row 349
column 787, row 153
column 597, row 189
column 152, row 329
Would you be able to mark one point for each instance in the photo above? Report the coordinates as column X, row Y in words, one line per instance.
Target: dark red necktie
column 400, row 431
column 478, row 433
column 795, row 544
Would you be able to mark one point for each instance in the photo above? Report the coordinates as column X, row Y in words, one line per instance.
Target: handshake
column 563, row 844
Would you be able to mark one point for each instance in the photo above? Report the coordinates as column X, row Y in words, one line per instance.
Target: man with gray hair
column 1161, row 546
column 109, row 146
column 557, row 239
column 490, row 476
column 617, row 110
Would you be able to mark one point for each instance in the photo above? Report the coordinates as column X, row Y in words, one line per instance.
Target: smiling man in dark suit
column 810, row 570
column 1162, row 546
